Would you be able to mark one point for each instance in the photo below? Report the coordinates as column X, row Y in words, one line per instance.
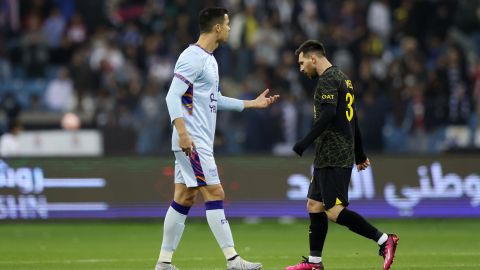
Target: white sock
column 382, row 239
column 220, row 228
column 173, row 227
column 314, row 259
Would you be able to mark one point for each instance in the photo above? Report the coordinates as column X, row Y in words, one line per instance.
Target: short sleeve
column 188, row 67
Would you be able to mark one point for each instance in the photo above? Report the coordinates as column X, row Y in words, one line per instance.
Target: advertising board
column 255, row 186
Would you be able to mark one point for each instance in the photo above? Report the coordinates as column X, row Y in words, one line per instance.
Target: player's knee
column 213, row 193
column 331, row 216
column 185, row 198
column 332, row 213
column 315, row 206
column 190, row 201
column 187, row 201
column 218, row 194
column 310, row 206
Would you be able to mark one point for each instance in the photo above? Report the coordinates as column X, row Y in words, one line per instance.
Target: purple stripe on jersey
column 180, row 208
column 180, row 76
column 197, row 168
column 187, row 98
column 212, row 205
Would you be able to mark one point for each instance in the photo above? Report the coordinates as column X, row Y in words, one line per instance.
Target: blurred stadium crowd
column 414, row 65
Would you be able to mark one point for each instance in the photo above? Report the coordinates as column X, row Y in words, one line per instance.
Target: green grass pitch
column 134, row 245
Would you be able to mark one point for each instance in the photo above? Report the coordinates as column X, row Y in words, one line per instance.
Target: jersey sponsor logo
column 349, row 84
column 328, row 96
column 213, row 103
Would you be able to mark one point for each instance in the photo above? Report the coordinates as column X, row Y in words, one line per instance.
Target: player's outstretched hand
column 364, row 165
column 262, row 101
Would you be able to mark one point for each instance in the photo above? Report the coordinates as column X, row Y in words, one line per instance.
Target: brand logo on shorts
column 213, row 172
column 224, row 221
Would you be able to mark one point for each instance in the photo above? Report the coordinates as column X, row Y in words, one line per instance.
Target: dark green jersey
column 335, row 145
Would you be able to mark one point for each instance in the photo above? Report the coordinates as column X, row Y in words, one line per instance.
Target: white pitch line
column 105, row 260
column 74, row 182
column 76, row 261
column 87, row 206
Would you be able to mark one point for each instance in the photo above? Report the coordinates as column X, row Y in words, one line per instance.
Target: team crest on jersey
column 213, row 172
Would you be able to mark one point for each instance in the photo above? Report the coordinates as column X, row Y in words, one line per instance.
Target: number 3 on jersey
column 349, row 112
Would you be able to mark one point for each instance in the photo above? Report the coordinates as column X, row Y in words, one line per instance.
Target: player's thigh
column 184, row 195
column 212, row 192
column 315, row 189
column 334, row 183
column 197, row 170
column 314, row 206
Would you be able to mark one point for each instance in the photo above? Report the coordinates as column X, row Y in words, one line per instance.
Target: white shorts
column 197, row 170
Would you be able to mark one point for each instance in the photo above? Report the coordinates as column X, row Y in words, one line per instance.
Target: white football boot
column 240, row 264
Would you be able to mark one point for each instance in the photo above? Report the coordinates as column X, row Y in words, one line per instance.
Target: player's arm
column 185, row 141
column 329, row 99
column 174, row 105
column 229, row 104
column 327, row 114
column 233, row 104
column 361, row 159
column 185, row 73
column 262, row 101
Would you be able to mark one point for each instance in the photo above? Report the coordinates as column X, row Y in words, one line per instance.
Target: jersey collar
column 201, row 48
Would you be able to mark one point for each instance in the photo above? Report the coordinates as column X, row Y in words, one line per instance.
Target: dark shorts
column 330, row 186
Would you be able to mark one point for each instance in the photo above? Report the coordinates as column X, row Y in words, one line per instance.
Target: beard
column 313, row 75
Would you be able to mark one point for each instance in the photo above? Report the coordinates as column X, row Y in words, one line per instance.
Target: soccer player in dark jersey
column 338, row 146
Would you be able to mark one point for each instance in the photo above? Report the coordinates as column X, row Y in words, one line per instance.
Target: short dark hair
column 210, row 16
column 310, row 46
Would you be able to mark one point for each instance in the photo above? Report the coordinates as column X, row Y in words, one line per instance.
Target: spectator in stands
column 10, row 106
column 59, row 95
column 131, row 35
column 455, row 72
column 77, row 31
column 107, row 56
column 379, row 19
column 53, row 28
column 310, row 23
column 267, row 41
column 9, row 144
column 150, row 121
column 5, row 68
column 84, row 81
column 406, row 73
column 34, row 46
